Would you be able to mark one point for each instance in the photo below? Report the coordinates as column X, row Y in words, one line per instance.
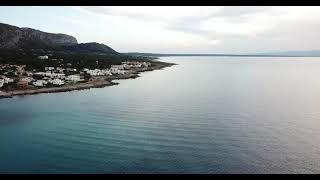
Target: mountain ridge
column 311, row 53
column 90, row 47
column 13, row 37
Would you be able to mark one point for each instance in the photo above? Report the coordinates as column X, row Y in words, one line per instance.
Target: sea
column 205, row 115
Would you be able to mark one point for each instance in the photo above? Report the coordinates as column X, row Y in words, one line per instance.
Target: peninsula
column 32, row 62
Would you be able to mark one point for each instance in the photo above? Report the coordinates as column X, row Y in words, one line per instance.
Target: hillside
column 12, row 37
column 90, row 48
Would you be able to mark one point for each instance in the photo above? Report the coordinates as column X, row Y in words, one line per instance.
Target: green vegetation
column 64, row 59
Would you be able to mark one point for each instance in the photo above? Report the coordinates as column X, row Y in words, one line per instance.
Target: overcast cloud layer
column 195, row 29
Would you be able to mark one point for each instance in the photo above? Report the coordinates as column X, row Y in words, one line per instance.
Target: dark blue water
column 205, row 115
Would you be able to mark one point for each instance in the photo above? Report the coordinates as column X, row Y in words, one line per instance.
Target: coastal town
column 19, row 80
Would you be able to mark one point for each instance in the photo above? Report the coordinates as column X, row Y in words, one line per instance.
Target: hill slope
column 90, row 48
column 12, row 37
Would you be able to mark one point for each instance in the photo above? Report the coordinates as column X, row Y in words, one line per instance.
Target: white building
column 27, row 79
column 7, row 80
column 43, row 57
column 122, row 72
column 74, row 78
column 98, row 72
column 135, row 64
column 1, row 82
column 59, row 75
column 106, row 72
column 117, row 71
column 121, row 67
column 29, row 74
column 56, row 82
column 56, row 75
column 48, row 74
column 60, row 70
column 71, row 70
column 146, row 64
column 40, row 73
column 39, row 83
column 127, row 66
column 51, row 74
column 49, row 68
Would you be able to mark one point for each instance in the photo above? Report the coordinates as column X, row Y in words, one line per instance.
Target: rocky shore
column 94, row 83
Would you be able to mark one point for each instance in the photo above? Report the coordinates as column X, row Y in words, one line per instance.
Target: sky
column 178, row 29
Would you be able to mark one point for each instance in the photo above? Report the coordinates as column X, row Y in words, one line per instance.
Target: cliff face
column 15, row 37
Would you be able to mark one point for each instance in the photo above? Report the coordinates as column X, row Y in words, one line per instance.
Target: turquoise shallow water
column 205, row 115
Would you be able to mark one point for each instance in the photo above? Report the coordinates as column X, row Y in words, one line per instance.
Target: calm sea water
column 205, row 115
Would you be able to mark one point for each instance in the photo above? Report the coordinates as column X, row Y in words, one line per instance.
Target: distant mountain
column 311, row 53
column 167, row 55
column 13, row 37
column 90, row 48
column 314, row 53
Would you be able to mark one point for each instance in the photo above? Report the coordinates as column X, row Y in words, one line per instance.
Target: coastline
column 98, row 82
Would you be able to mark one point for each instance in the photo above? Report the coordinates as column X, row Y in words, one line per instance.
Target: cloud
column 249, row 21
column 214, row 42
column 191, row 19
column 152, row 12
column 71, row 20
column 251, row 28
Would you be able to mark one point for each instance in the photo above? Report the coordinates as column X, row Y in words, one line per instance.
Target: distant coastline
column 34, row 61
column 225, row 55
column 99, row 82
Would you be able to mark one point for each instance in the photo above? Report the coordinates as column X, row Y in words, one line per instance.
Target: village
column 15, row 77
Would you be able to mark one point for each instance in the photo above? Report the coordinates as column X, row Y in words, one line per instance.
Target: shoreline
column 97, row 82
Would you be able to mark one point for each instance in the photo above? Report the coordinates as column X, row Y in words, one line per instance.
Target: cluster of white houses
column 135, row 64
column 9, row 69
column 117, row 69
column 57, row 75
column 98, row 72
column 5, row 80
